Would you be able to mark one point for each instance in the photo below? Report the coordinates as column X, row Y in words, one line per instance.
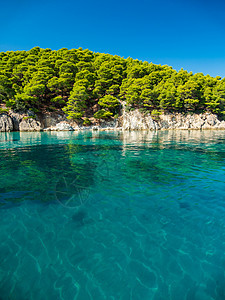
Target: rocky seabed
column 133, row 120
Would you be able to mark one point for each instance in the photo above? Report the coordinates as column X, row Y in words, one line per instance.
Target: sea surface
column 112, row 215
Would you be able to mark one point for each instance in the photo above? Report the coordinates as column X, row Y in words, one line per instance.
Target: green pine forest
column 86, row 85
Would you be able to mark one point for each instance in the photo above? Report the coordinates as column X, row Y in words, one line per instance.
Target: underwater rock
column 79, row 217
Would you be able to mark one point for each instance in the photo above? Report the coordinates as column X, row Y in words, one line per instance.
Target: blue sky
column 188, row 34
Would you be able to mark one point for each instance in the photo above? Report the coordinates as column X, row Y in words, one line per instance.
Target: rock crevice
column 6, row 123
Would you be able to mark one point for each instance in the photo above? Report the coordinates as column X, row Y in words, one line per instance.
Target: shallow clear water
column 112, row 215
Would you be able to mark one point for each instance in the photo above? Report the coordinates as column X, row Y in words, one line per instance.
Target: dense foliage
column 85, row 84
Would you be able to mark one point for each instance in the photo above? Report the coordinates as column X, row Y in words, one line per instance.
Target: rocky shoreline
column 128, row 121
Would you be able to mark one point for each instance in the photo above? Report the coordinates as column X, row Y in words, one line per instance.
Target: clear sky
column 188, row 33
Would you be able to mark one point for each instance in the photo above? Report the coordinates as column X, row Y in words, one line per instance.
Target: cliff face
column 136, row 121
column 133, row 120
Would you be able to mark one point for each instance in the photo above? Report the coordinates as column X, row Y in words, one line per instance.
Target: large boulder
column 6, row 123
column 29, row 124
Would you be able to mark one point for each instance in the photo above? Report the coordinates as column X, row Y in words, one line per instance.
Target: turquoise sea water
column 112, row 215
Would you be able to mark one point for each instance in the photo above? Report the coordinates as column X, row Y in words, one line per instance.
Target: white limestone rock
column 134, row 120
column 6, row 123
column 63, row 126
column 30, row 125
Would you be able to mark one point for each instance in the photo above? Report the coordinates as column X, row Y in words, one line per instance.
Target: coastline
column 128, row 121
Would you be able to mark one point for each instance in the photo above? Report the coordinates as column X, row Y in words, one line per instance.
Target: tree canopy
column 85, row 84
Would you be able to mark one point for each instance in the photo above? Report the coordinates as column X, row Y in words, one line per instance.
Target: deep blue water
column 112, row 215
